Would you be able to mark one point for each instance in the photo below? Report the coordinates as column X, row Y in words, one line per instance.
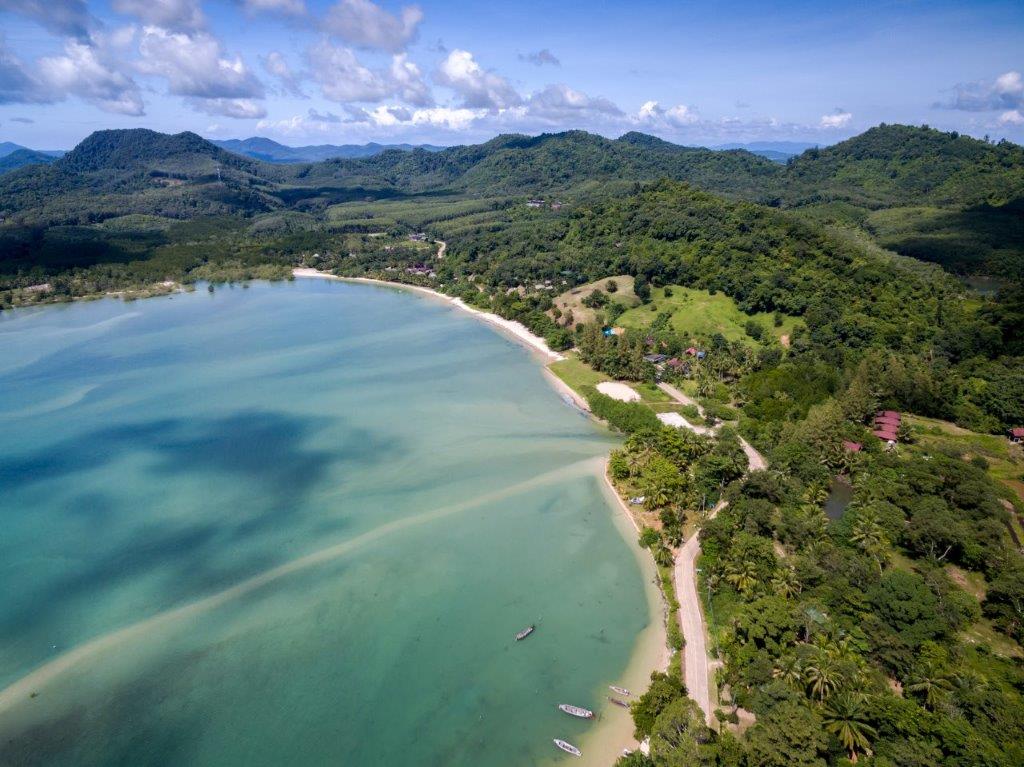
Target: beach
column 512, row 329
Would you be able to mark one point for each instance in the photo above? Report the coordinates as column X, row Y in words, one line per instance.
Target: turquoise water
column 296, row 524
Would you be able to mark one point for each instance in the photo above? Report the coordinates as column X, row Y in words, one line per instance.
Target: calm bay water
column 296, row 524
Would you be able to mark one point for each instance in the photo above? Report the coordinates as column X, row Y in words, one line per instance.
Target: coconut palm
column 743, row 576
column 790, row 670
column 845, row 716
column 869, row 536
column 933, row 682
column 785, row 583
column 663, row 555
column 822, row 675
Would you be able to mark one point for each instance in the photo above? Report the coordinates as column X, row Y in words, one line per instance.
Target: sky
column 449, row 72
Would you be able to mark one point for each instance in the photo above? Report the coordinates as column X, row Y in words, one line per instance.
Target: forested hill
column 895, row 165
column 935, row 196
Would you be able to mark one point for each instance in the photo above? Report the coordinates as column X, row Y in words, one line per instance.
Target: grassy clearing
column 1005, row 460
column 577, row 374
column 697, row 313
column 572, row 300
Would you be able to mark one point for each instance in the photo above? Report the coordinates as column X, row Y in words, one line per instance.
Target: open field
column 572, row 300
column 699, row 313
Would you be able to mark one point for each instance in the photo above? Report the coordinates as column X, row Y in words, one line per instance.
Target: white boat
column 582, row 713
column 619, row 690
column 568, row 748
column 524, row 633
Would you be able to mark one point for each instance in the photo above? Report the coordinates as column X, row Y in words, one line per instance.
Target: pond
column 839, row 497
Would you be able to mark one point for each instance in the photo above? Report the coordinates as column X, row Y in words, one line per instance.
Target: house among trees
column 418, row 236
column 1017, row 435
column 852, row 447
column 887, row 424
column 535, row 203
column 655, row 359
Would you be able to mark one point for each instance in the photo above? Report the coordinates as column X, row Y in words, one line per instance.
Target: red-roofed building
column 1017, row 434
column 885, row 436
column 692, row 351
column 852, row 447
column 887, row 419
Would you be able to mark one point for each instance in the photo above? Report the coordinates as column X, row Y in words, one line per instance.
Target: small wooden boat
column 619, row 690
column 568, row 748
column 618, row 702
column 582, row 713
column 524, row 633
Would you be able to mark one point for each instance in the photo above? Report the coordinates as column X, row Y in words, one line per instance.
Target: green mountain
column 268, row 150
column 22, row 157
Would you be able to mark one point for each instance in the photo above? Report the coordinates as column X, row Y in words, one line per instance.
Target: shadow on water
column 96, row 734
column 266, row 449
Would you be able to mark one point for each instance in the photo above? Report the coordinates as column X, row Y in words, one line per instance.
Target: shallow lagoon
column 297, row 524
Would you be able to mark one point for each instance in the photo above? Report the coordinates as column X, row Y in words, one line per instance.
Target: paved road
column 696, row 665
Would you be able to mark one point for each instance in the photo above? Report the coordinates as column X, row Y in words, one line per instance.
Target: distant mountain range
column 16, row 156
column 268, row 150
column 777, row 151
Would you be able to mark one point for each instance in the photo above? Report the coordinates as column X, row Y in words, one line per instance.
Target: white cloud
column 1006, row 92
column 366, row 25
column 678, row 116
column 344, row 79
column 1012, row 117
column 408, row 82
column 238, row 108
column 170, row 14
column 17, row 84
column 276, row 64
column 83, row 72
column 560, row 102
column 838, row 119
column 478, row 88
column 194, row 65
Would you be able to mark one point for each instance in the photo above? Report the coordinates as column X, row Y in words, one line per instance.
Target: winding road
column 696, row 665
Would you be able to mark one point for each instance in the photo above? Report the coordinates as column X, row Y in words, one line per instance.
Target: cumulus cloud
column 1012, row 117
column 478, row 88
column 651, row 112
column 194, row 65
column 838, row 119
column 277, row 65
column 1006, row 92
column 169, row 14
column 560, row 102
column 540, row 58
column 70, row 18
column 83, row 72
column 324, row 117
column 344, row 79
column 365, row 25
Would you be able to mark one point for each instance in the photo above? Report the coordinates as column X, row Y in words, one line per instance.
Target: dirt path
column 442, row 246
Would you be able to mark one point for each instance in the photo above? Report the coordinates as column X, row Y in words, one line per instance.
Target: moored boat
column 568, row 748
column 582, row 713
column 524, row 633
column 618, row 702
column 619, row 690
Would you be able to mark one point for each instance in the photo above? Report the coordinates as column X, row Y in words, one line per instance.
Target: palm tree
column 663, row 555
column 635, row 461
column 822, row 675
column 785, row 583
column 790, row 670
column 870, row 537
column 743, row 576
column 933, row 682
column 845, row 716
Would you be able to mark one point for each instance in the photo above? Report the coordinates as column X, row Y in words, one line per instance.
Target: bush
column 627, row 417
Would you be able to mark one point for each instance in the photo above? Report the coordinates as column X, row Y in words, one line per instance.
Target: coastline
column 613, row 731
column 517, row 331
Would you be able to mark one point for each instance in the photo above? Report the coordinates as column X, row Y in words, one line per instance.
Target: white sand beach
column 515, row 330
column 619, row 391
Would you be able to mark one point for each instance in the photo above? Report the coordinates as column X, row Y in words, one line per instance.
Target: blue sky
column 351, row 71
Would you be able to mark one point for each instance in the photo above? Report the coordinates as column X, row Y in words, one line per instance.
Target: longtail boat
column 582, row 713
column 568, row 748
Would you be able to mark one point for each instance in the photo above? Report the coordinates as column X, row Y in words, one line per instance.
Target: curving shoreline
column 603, row 744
